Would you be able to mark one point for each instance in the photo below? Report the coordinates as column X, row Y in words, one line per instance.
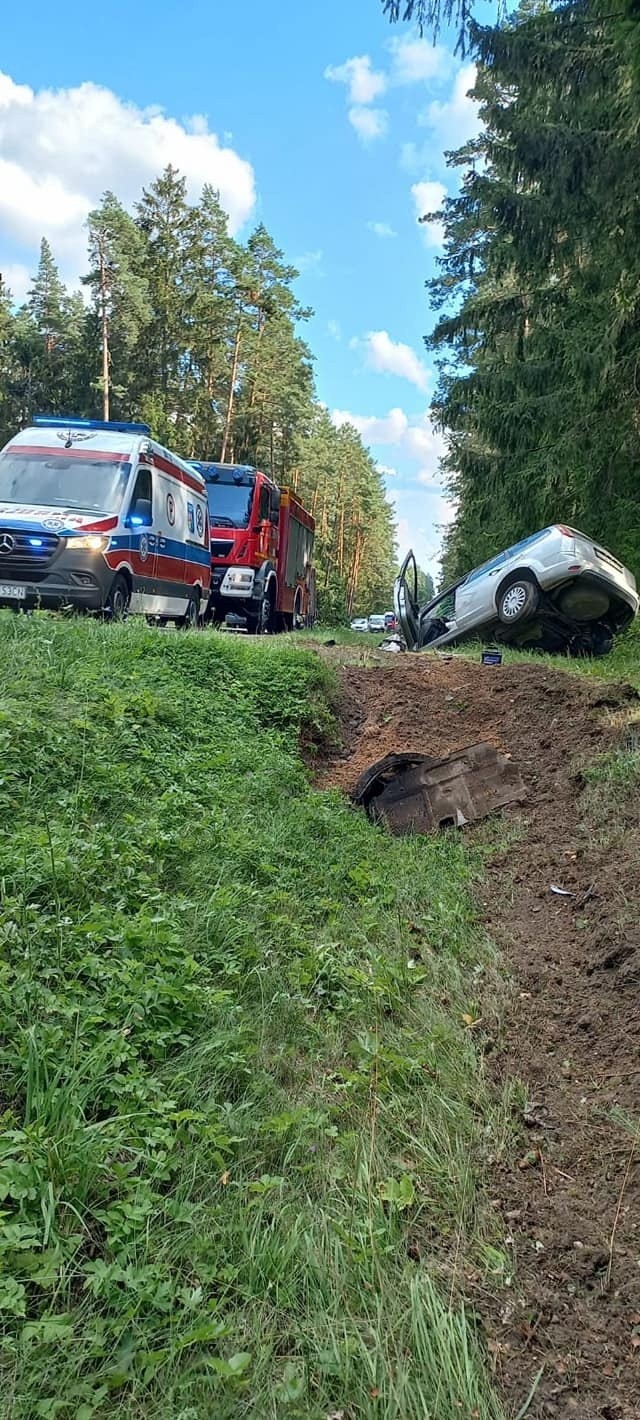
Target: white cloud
column 392, row 357
column 62, row 148
column 390, row 429
column 429, row 197
column 369, row 123
column 387, row 472
column 413, row 438
column 335, row 329
column 364, row 83
column 424, row 442
column 421, row 519
column 416, row 60
column 456, row 120
column 421, row 506
column 381, row 229
column 415, row 157
column 309, row 261
column 18, row 279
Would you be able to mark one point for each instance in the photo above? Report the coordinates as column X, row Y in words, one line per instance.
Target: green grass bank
column 242, row 1116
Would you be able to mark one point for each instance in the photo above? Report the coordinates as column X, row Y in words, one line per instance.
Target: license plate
column 13, row 590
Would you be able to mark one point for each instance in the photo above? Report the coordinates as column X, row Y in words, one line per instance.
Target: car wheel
column 191, row 619
column 117, row 603
column 596, row 642
column 517, row 601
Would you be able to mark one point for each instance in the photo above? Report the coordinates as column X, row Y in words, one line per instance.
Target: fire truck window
column 265, row 503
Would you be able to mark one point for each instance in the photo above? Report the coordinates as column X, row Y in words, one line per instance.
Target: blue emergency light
column 211, row 471
column 117, row 426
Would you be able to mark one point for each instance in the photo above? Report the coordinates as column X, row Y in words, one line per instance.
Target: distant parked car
column 360, row 624
column 555, row 591
column 390, row 622
column 377, row 623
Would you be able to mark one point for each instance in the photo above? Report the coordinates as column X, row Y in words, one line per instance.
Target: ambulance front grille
column 26, row 556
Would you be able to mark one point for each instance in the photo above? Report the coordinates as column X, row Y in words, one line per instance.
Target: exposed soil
column 570, row 1196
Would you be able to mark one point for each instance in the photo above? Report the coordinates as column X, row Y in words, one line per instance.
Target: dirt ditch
column 569, row 1198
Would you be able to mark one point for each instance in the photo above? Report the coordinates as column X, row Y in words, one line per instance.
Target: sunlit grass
column 245, row 1120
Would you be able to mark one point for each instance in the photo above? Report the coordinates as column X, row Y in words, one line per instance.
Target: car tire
column 517, row 601
column 117, row 603
column 594, row 643
column 191, row 619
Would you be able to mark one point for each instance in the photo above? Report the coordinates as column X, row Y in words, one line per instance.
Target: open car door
column 405, row 601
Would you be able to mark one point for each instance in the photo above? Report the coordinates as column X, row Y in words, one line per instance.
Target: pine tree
column 46, row 337
column 47, row 300
column 167, row 227
column 198, row 334
column 120, row 298
column 214, row 319
column 538, row 386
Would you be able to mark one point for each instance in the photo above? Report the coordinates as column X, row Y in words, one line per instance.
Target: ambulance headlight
column 90, row 542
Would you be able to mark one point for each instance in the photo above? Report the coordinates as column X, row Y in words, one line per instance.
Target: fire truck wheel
column 297, row 620
column 265, row 616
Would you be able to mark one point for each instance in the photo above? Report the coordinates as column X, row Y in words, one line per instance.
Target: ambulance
column 97, row 515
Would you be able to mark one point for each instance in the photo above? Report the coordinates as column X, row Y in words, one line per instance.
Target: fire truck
column 262, row 578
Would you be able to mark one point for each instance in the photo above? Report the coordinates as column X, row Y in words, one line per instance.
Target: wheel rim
column 514, row 601
column 118, row 604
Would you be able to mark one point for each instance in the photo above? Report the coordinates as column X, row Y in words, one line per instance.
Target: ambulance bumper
column 83, row 586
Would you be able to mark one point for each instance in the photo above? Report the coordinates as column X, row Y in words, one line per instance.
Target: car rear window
column 501, row 557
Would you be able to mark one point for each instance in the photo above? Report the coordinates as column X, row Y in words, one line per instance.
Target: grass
column 623, row 663
column 243, row 1116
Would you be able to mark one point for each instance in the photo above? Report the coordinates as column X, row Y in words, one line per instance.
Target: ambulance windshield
column 46, row 478
column 229, row 504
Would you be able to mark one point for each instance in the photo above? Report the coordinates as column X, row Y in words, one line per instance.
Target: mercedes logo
column 7, row 543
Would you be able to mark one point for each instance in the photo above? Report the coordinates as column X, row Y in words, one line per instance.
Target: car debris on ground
column 413, row 793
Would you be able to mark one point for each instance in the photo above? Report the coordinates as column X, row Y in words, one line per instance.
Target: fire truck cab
column 261, row 548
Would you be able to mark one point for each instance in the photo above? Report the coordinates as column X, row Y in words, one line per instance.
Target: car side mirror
column 141, row 515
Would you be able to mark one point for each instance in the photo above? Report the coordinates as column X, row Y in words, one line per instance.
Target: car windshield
column 55, row 479
column 229, row 504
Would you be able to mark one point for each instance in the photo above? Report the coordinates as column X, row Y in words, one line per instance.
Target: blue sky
column 314, row 116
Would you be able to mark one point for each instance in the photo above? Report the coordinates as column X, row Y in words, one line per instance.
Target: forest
column 537, row 296
column 197, row 334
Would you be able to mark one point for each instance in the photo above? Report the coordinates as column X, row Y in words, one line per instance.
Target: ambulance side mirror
column 141, row 515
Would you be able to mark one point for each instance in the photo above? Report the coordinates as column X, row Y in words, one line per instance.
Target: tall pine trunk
column 234, row 374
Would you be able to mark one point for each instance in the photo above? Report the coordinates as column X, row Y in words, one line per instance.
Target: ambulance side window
column 141, row 497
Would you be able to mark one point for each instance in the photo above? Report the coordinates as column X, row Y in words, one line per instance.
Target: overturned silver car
column 555, row 591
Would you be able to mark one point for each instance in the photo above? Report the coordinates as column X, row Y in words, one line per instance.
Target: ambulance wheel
column 117, row 603
column 191, row 619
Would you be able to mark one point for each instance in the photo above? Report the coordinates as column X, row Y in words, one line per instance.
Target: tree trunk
column 229, row 415
column 355, row 572
column 104, row 324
